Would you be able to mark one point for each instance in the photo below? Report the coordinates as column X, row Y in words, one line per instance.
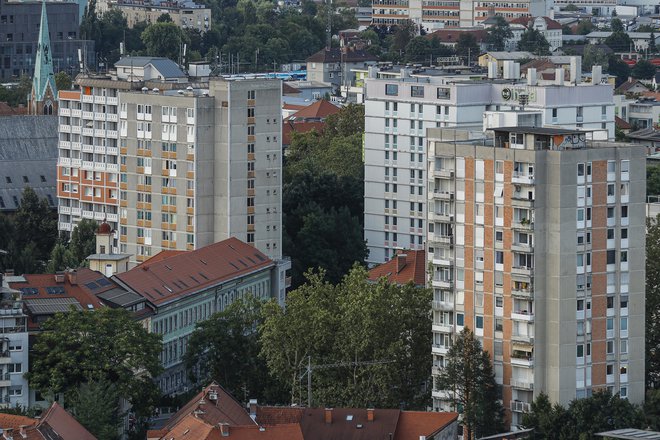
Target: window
column 391, row 89
column 580, row 169
column 580, row 350
column 14, row 368
column 460, row 319
column 479, row 322
column 443, row 93
column 417, row 91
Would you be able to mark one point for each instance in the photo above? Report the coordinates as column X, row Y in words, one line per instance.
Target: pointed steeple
column 44, row 92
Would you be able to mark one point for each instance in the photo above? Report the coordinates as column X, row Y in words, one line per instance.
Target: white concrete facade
column 397, row 114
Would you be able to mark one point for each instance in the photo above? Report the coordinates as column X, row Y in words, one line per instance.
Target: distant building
column 105, row 260
column 335, row 65
column 189, row 287
column 307, row 119
column 549, row 28
column 640, row 40
column 28, row 158
column 214, row 413
column 184, row 13
column 19, row 37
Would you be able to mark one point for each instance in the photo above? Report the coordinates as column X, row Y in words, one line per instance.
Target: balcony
column 522, row 385
column 443, row 195
column 441, row 283
column 441, row 239
column 524, row 225
column 522, row 361
column 522, row 315
column 519, row 200
column 522, row 293
column 523, row 271
column 64, row 209
column 444, row 173
column 5, row 380
column 5, row 357
column 442, row 327
column 525, row 340
column 440, row 349
column 521, row 178
column 442, row 394
column 441, row 217
column 443, row 306
column 64, row 161
column 518, row 406
column 521, row 247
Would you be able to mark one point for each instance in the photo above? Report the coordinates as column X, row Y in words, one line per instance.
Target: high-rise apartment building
column 398, row 111
column 536, row 242
column 435, row 14
column 171, row 164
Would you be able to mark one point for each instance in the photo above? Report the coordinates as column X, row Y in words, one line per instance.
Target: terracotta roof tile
column 320, row 109
column 288, row 90
column 414, row 424
column 61, row 422
column 413, row 270
column 167, row 253
column 13, row 421
column 289, row 127
column 345, row 423
column 186, row 273
column 275, row 415
column 279, row 432
column 621, row 124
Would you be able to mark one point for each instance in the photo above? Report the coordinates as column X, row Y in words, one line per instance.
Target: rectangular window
column 444, row 93
column 479, row 322
column 391, row 89
column 417, row 91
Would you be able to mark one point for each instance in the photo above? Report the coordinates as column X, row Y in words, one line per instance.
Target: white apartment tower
column 398, row 112
column 172, row 164
column 536, row 241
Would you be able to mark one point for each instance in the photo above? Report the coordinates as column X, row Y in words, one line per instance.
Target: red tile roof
column 288, row 90
column 274, row 415
column 186, row 273
column 223, row 409
column 413, row 270
column 414, row 424
column 13, row 421
column 345, row 423
column 167, row 253
column 528, row 21
column 320, row 109
column 279, row 432
column 55, row 424
column 293, row 106
column 621, row 124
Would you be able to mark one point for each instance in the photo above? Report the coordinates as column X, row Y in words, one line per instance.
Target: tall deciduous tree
column 535, row 42
column 63, row 81
column 341, row 329
column 653, row 303
column 643, row 70
column 467, row 47
column 499, row 33
column 96, row 406
column 226, row 347
column 79, row 347
column 164, row 39
column 83, row 240
column 469, row 379
column 36, row 222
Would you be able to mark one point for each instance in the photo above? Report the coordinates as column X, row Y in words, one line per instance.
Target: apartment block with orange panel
column 537, row 242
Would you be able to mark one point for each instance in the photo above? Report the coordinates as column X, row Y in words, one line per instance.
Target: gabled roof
column 414, row 424
column 452, row 35
column 529, row 21
column 413, row 268
column 288, row 90
column 176, row 277
column 334, row 55
column 14, row 422
column 166, row 67
column 223, row 409
column 320, row 109
column 289, row 127
column 54, row 424
column 629, row 85
column 621, row 124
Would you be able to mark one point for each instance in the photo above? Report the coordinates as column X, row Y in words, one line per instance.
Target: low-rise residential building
column 407, row 266
column 214, row 413
column 189, row 287
column 307, row 119
column 54, row 423
column 335, row 65
column 184, row 13
column 548, row 27
column 640, row 40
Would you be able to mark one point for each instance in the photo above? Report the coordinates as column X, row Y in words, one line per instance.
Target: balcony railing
column 519, row 406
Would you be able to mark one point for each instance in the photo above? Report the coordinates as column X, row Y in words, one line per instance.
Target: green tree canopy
column 226, row 348
column 534, row 41
column 643, row 70
column 96, row 406
column 469, row 378
column 571, row 8
column 585, row 27
column 83, row 240
column 63, row 81
column 594, row 56
column 36, row 222
column 619, row 41
column 653, row 298
column 617, row 67
column 106, row 346
column 467, row 47
column 164, row 39
column 499, row 33
column 349, row 323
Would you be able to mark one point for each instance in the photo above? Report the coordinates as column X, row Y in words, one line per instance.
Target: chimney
column 532, row 79
column 370, row 414
column 596, row 75
column 576, row 70
column 492, row 70
column 224, row 429
column 400, row 262
column 253, row 408
column 72, row 275
column 559, row 76
column 328, row 416
column 59, row 277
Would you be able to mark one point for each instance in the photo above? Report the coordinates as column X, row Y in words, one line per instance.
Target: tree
column 534, row 41
column 165, row 18
column 226, row 347
column 95, row 406
column 60, row 259
column 653, row 297
column 106, row 346
column 418, row 49
column 63, row 81
column 403, row 34
column 616, row 25
column 83, row 240
column 585, row 27
column 468, row 376
column 467, row 47
column 653, row 180
column 353, row 321
column 36, row 222
column 617, row 67
column 643, row 70
column 571, row 8
column 619, row 41
column 566, row 30
column 164, row 39
column 499, row 33
column 594, row 56
column 652, row 46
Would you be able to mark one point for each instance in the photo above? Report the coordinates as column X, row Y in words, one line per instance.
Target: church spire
column 43, row 99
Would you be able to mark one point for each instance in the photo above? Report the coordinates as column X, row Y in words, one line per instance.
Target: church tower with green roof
column 43, row 97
